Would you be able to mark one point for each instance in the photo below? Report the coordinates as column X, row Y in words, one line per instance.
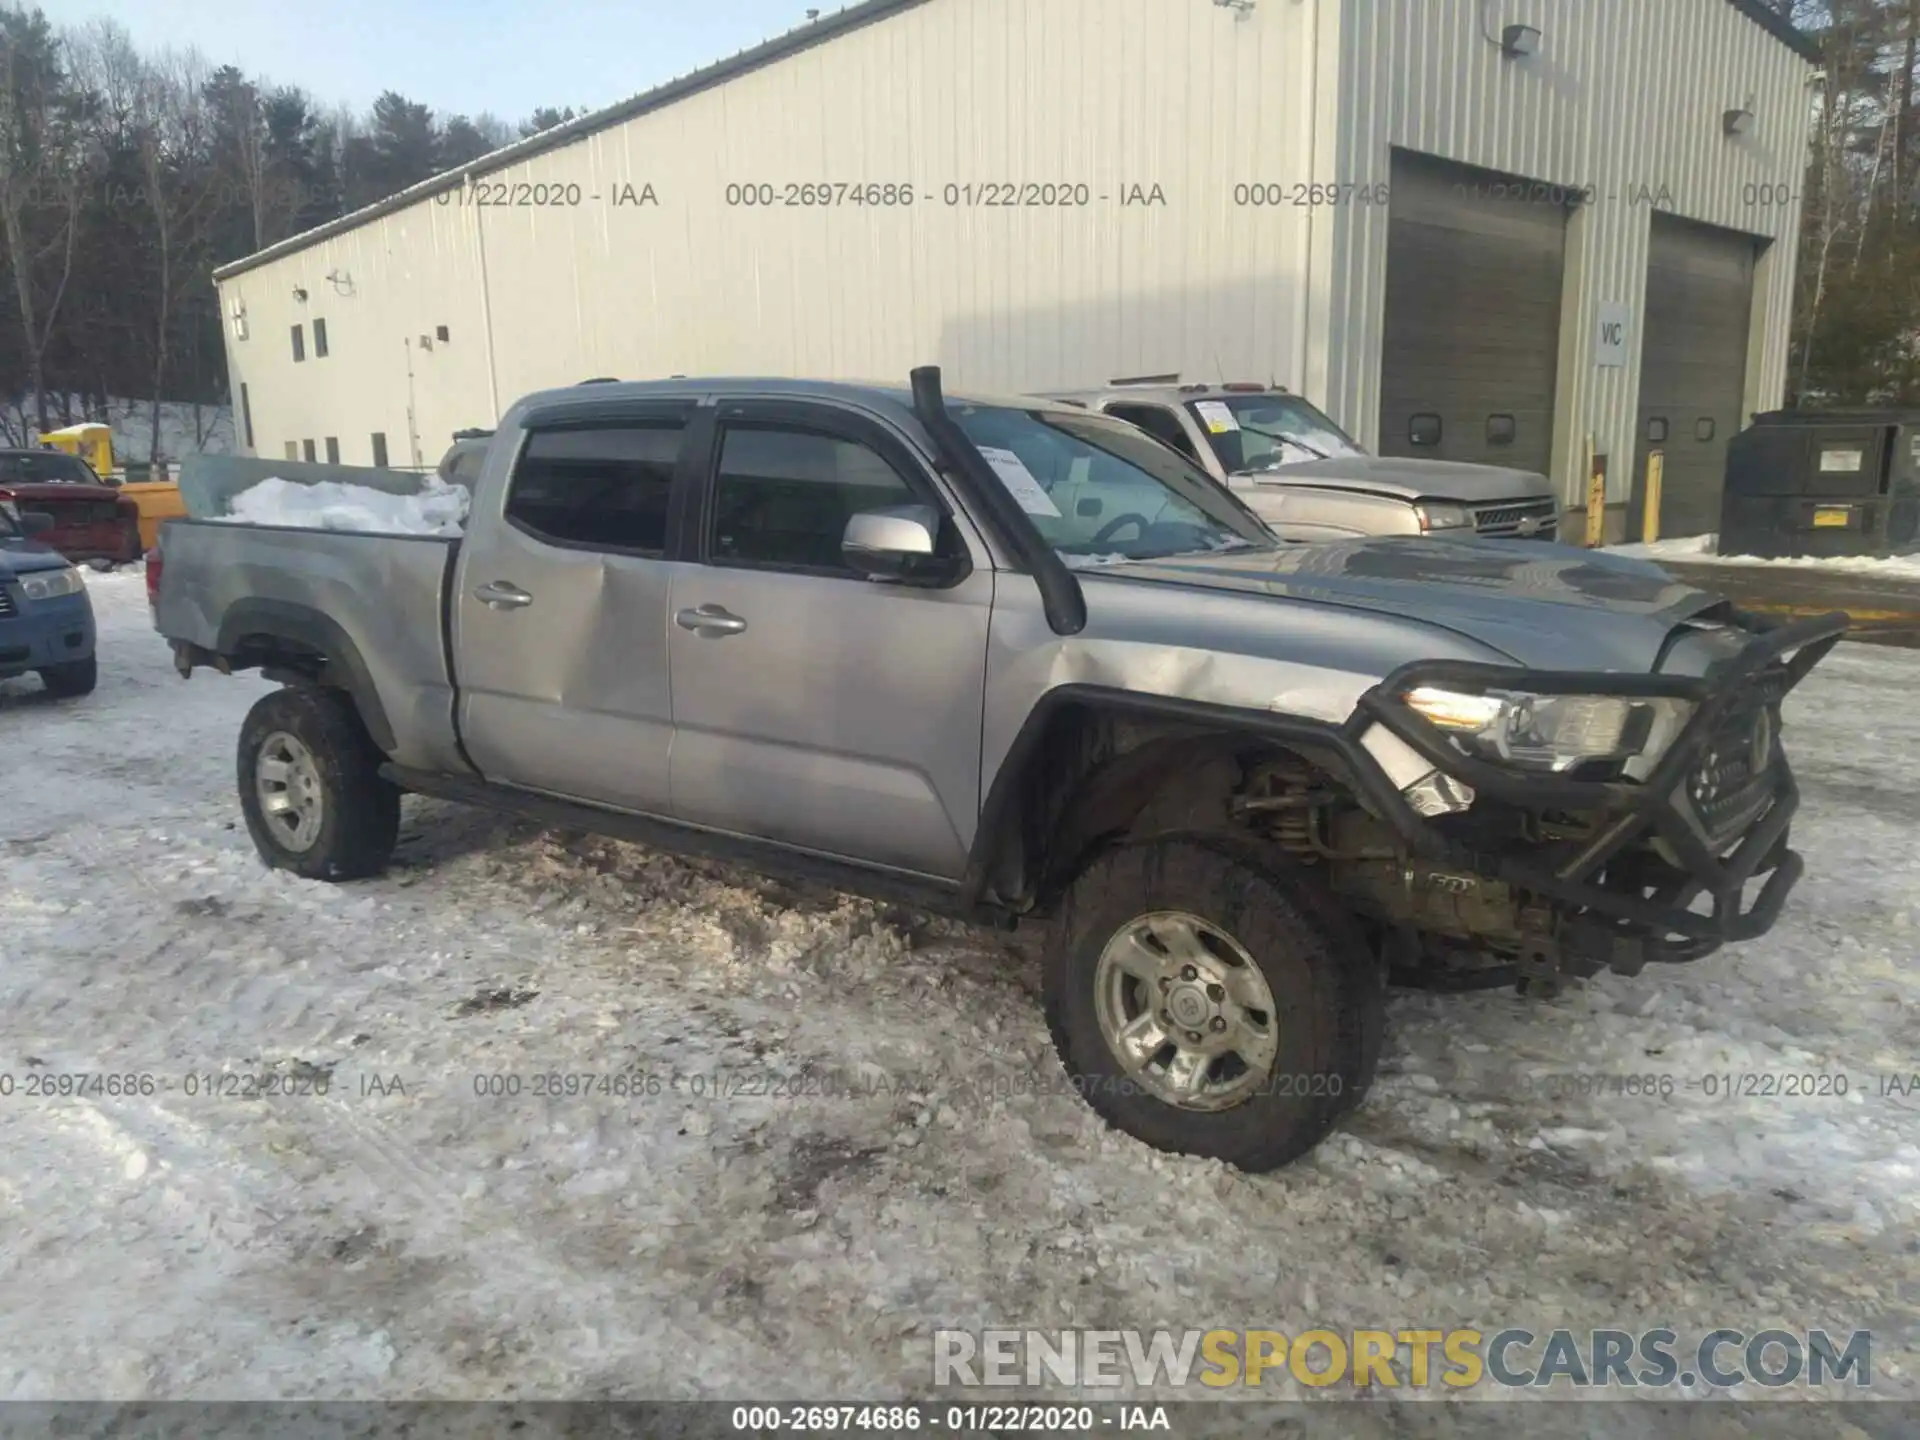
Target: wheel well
column 1096, row 775
column 304, row 648
column 270, row 653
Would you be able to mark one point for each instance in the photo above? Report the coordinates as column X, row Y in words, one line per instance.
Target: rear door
column 812, row 706
column 561, row 616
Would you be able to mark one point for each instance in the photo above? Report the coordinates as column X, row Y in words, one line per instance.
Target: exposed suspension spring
column 1284, row 799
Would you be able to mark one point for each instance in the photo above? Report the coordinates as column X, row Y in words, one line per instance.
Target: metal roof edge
column 1782, row 29
column 791, row 42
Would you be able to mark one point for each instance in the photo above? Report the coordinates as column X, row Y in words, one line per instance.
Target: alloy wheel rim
column 286, row 780
column 1186, row 1011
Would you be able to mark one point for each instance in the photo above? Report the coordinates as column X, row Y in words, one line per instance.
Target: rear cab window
column 1158, row 421
column 50, row 467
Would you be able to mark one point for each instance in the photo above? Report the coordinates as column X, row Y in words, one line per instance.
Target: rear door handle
column 502, row 596
column 710, row 622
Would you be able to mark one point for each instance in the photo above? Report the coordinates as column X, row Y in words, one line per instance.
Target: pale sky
column 456, row 56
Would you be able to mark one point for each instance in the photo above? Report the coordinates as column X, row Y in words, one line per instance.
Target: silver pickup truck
column 1016, row 662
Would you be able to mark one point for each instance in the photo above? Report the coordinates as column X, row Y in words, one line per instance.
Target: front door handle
column 502, row 596
column 710, row 622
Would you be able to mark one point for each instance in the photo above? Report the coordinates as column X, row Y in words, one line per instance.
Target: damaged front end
column 1560, row 824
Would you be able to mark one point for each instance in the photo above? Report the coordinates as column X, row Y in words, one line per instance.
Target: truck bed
column 385, row 596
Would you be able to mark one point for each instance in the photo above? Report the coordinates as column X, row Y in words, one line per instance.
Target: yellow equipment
column 92, row 443
column 157, row 499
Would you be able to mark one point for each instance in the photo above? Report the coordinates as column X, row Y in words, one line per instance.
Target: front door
column 562, row 617
column 813, row 706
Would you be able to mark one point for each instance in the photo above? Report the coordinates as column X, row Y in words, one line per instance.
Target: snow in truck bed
column 436, row 509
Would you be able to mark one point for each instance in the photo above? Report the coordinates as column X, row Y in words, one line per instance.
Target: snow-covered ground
column 1705, row 550
column 406, row 1236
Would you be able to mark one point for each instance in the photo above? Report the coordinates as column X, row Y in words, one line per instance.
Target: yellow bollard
column 1650, row 512
column 1596, row 497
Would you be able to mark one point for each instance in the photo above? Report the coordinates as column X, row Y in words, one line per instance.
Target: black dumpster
column 1823, row 482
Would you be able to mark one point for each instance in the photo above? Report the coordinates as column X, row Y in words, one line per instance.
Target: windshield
column 1259, row 432
column 1100, row 490
column 45, row 467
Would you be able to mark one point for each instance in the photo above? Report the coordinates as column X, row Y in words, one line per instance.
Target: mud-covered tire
column 1327, row 986
column 71, row 679
column 358, row 818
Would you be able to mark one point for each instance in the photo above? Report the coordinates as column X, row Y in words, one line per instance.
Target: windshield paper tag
column 1218, row 415
column 1027, row 491
column 1844, row 460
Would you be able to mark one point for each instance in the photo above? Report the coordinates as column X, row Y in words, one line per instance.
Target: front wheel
column 1212, row 1000
column 72, row 678
column 311, row 789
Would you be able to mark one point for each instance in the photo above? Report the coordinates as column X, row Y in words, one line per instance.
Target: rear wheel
column 1209, row 999
column 311, row 789
column 73, row 678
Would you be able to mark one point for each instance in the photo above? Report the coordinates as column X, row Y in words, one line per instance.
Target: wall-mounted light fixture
column 239, row 319
column 1519, row 41
column 300, row 294
column 1240, row 8
column 1737, row 122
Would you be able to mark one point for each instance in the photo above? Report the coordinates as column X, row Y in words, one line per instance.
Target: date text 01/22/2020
column 548, row 195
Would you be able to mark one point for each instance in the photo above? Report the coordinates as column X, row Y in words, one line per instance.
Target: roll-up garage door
column 1693, row 369
column 1472, row 333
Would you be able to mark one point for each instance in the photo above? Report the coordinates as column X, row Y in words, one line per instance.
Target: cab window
column 601, row 488
column 1159, row 422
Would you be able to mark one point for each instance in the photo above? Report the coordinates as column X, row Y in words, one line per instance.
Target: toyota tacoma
column 1017, row 662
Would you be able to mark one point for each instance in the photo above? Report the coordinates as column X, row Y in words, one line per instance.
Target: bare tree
column 45, row 157
column 180, row 186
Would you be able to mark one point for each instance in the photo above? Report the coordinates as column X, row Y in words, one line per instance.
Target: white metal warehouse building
column 1494, row 230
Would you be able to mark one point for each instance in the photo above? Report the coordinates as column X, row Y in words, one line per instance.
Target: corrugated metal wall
column 393, row 280
column 1182, row 95
column 1186, row 95
column 1624, row 95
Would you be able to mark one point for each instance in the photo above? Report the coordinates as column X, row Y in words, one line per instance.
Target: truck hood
column 1550, row 607
column 1410, row 479
column 26, row 557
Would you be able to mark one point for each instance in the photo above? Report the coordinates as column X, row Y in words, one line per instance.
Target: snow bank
column 437, row 509
column 1692, row 547
column 1705, row 548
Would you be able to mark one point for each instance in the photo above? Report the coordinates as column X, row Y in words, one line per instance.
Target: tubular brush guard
column 1590, row 924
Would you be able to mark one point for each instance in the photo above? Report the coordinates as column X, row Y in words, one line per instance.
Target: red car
column 91, row 519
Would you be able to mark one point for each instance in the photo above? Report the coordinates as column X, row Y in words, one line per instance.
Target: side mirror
column 36, row 522
column 898, row 543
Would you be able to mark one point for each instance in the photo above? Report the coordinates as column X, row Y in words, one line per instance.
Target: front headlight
column 1439, row 515
column 1556, row 733
column 52, row 584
